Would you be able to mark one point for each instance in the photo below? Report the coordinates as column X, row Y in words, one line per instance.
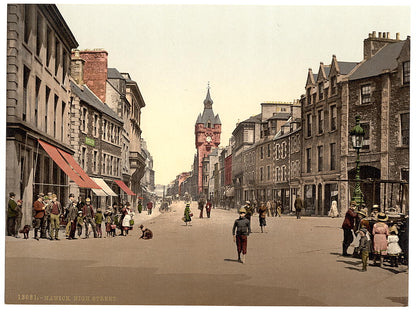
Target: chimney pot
column 374, row 34
column 384, row 35
column 397, row 36
column 388, row 35
column 379, row 34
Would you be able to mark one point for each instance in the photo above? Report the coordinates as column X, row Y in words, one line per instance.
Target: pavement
column 294, row 263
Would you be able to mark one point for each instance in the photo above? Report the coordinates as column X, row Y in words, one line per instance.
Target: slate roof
column 90, row 98
column 208, row 115
column 384, row 59
column 255, row 118
column 113, row 73
column 346, row 67
column 280, row 115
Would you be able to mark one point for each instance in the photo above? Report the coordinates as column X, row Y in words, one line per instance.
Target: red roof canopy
column 124, row 187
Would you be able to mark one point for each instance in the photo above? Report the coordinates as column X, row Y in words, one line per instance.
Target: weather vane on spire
column 208, row 85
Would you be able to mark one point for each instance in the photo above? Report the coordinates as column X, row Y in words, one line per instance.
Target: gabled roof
column 384, row 59
column 113, row 73
column 346, row 67
column 91, row 99
column 255, row 118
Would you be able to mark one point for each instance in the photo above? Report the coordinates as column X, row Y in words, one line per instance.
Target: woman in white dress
column 126, row 225
column 333, row 212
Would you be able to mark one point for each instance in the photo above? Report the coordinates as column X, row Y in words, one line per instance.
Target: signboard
column 89, row 141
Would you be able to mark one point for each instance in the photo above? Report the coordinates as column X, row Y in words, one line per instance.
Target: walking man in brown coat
column 298, row 206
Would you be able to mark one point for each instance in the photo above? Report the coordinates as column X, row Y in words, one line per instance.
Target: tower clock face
column 208, row 139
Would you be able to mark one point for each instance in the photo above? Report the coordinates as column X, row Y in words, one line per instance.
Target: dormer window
column 333, row 85
column 209, row 124
column 321, row 90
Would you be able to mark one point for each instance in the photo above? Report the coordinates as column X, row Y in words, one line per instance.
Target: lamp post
column 357, row 138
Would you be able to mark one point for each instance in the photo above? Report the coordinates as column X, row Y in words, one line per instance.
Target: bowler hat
column 71, row 195
column 88, row 199
column 11, row 194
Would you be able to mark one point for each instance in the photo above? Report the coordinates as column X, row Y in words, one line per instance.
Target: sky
column 249, row 54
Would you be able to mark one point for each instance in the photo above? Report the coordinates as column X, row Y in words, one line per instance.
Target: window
column 84, row 113
column 27, row 24
column 83, row 157
column 308, row 160
column 283, row 109
column 105, row 130
column 309, row 125
column 104, row 160
column 333, row 111
column 284, row 150
column 261, row 174
column 48, row 46
column 57, row 56
column 366, row 94
column 320, row 121
column 95, row 125
column 55, row 107
column 404, row 128
column 38, row 34
column 277, row 174
column 95, row 159
column 64, row 65
column 406, row 72
column 404, row 174
column 268, row 172
column 332, row 156
column 261, row 152
column 366, row 141
column 333, row 85
column 26, row 76
column 37, row 91
column 284, row 173
column 321, row 90
column 277, row 151
column 63, row 121
column 47, row 93
column 308, row 96
column 268, row 150
column 320, row 158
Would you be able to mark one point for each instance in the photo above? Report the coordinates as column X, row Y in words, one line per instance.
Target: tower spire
column 208, row 101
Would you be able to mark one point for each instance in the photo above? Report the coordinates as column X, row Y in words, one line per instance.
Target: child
column 80, row 223
column 108, row 222
column 98, row 218
column 146, row 233
column 393, row 248
column 364, row 248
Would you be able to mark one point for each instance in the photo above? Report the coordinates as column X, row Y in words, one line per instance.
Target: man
column 201, row 203
column 347, row 227
column 18, row 218
column 269, row 208
column 242, row 225
column 88, row 215
column 298, row 206
column 45, row 226
column 11, row 215
column 39, row 211
column 69, row 207
column 149, row 207
column 55, row 212
column 208, row 207
column 249, row 212
column 71, row 219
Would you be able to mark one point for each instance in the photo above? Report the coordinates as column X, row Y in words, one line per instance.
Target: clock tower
column 207, row 138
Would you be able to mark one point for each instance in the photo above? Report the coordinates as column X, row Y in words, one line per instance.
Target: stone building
column 39, row 44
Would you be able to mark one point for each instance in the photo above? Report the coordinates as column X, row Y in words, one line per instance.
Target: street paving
column 294, row 263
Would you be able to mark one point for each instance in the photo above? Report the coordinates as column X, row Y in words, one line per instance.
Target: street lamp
column 357, row 138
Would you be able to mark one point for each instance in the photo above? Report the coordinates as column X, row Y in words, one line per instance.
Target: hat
column 393, row 229
column 247, row 202
column 381, row 216
column 141, row 226
column 41, row 195
column 71, row 195
column 353, row 203
column 98, row 209
column 242, row 210
column 375, row 207
column 11, row 194
column 80, row 212
column 128, row 204
column 187, row 205
column 54, row 196
column 45, row 197
column 362, row 213
column 88, row 199
column 364, row 230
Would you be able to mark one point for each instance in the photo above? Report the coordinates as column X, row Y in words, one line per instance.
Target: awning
column 99, row 192
column 104, row 186
column 68, row 165
column 124, row 187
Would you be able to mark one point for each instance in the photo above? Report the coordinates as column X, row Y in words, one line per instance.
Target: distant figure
column 347, row 227
column 146, row 233
column 149, row 207
column 333, row 212
column 262, row 215
column 201, row 203
column 208, row 208
column 298, row 206
column 242, row 229
column 187, row 214
column 364, row 247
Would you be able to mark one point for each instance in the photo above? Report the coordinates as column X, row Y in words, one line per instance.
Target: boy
column 364, row 248
column 242, row 224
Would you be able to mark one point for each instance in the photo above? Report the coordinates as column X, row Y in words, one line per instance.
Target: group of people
column 79, row 215
column 370, row 235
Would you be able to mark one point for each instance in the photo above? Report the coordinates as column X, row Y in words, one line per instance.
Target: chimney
column 95, row 71
column 373, row 43
column 77, row 67
column 397, row 36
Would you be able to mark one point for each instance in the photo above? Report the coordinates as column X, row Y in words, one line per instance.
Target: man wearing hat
column 67, row 209
column 88, row 215
column 298, row 206
column 18, row 218
column 11, row 215
column 249, row 212
column 242, row 225
column 347, row 227
column 39, row 211
column 71, row 219
column 55, row 212
column 374, row 211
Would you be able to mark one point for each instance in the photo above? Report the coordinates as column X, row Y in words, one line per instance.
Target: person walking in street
column 80, row 223
column 201, row 203
column 55, row 212
column 67, row 209
column 45, row 231
column 139, row 206
column 262, row 216
column 187, row 216
column 380, row 233
column 249, row 212
column 364, row 248
column 393, row 247
column 208, row 208
column 98, row 219
column 274, row 208
column 298, row 206
column 269, row 208
column 241, row 231
column 279, row 209
column 333, row 211
column 39, row 214
column 128, row 220
column 18, row 218
column 108, row 222
column 149, row 207
column 71, row 219
column 11, row 215
column 88, row 215
column 347, row 227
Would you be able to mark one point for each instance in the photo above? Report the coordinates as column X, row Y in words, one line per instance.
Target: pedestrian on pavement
column 241, row 231
column 45, row 232
column 11, row 215
column 208, row 208
column 274, row 208
column 380, row 232
column 128, row 220
column 393, row 247
column 108, row 221
column 18, row 218
column 71, row 219
column 364, row 247
column 88, row 214
column 249, row 212
column 298, row 206
column 149, row 207
column 55, row 212
column 139, row 206
column 39, row 214
column 67, row 209
column 80, row 223
column 374, row 211
column 268, row 208
column 359, row 223
column 187, row 215
column 347, row 227
column 201, row 203
column 333, row 212
column 279, row 208
column 146, row 233
column 98, row 219
column 262, row 215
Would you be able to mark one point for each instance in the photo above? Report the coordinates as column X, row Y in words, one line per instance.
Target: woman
column 380, row 232
column 333, row 212
column 128, row 216
column 187, row 214
column 262, row 215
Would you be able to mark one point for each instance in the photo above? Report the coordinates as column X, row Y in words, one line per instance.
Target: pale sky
column 249, row 54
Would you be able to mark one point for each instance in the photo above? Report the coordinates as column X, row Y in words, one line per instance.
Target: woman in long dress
column 333, row 212
column 187, row 214
column 380, row 232
column 126, row 226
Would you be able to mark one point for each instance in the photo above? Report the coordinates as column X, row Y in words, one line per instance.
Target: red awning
column 124, row 187
column 56, row 154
